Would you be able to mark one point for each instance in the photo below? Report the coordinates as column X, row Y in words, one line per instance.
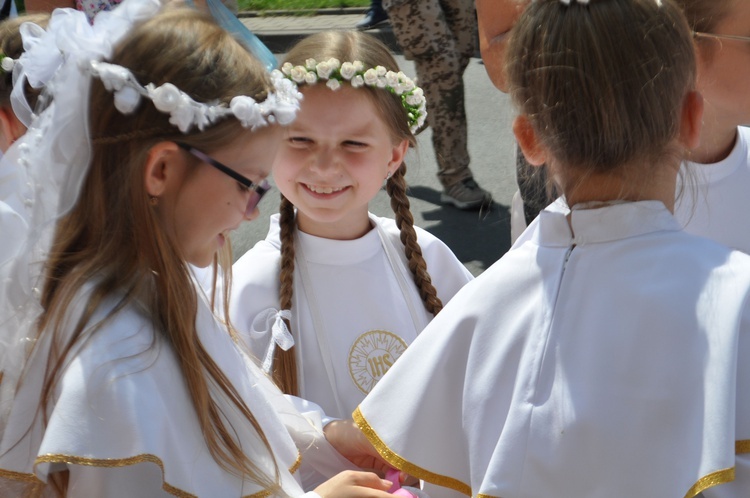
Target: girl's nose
column 325, row 160
column 252, row 213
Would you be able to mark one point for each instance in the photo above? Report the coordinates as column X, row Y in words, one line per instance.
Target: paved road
column 478, row 239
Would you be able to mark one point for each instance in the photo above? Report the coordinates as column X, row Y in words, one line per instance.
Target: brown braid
column 396, row 188
column 284, row 362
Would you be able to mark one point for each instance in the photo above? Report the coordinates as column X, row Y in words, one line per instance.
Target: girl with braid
column 117, row 377
column 333, row 295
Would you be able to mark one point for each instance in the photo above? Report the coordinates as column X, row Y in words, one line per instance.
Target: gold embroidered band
column 120, row 462
column 711, row 480
column 401, row 464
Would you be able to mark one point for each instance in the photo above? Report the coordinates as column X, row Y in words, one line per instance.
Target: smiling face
column 209, row 204
column 333, row 161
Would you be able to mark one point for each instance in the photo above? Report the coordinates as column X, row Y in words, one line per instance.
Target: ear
column 527, row 139
column 397, row 156
column 11, row 128
column 163, row 168
column 691, row 120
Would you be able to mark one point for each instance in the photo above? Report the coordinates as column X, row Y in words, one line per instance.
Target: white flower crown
column 280, row 106
column 6, row 63
column 335, row 72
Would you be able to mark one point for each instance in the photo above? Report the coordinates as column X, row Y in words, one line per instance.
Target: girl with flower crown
column 345, row 291
column 119, row 380
column 606, row 355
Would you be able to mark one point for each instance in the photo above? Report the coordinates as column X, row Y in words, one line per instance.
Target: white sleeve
column 311, row 411
column 143, row 480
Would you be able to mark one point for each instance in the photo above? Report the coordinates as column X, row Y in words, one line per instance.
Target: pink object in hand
column 396, row 490
column 404, row 493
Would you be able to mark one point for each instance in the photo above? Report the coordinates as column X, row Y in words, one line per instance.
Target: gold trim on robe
column 742, row 447
column 713, row 479
column 401, row 464
column 121, row 462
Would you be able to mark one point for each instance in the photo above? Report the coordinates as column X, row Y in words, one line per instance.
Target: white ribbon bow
column 273, row 320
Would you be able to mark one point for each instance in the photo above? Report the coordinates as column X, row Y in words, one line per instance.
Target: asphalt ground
column 477, row 238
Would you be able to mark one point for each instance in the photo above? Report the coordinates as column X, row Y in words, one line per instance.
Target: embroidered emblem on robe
column 372, row 355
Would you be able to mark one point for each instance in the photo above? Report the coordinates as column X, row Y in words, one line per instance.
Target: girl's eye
column 353, row 144
column 243, row 188
column 299, row 141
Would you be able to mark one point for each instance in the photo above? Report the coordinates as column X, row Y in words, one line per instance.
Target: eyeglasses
column 257, row 190
column 745, row 39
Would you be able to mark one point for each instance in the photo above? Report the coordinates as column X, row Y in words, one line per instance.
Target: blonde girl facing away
column 354, row 289
column 716, row 207
column 604, row 356
column 128, row 385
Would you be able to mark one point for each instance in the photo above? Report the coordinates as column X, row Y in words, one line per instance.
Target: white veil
column 50, row 160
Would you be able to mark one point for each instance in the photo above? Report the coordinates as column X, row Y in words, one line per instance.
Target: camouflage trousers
column 440, row 37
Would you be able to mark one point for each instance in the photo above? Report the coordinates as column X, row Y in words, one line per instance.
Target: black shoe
column 373, row 19
column 466, row 194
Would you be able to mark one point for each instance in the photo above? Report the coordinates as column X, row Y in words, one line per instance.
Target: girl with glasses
column 118, row 378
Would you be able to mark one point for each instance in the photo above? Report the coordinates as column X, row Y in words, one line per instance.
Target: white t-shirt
column 716, row 205
column 609, row 363
column 355, row 306
column 122, row 421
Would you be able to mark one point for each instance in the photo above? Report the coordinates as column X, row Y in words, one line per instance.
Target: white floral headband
column 280, row 107
column 6, row 63
column 335, row 72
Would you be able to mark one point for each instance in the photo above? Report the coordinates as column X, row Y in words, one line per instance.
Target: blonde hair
column 353, row 46
column 602, row 84
column 113, row 238
column 11, row 45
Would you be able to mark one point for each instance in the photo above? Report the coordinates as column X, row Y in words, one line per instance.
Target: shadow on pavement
column 477, row 238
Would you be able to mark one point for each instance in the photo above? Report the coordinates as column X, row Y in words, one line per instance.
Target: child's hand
column 348, row 440
column 353, row 484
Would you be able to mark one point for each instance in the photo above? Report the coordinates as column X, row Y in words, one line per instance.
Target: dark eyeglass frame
column 700, row 34
column 259, row 189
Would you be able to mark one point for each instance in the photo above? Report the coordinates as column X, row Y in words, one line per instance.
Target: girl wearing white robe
column 118, row 378
column 604, row 355
column 354, row 289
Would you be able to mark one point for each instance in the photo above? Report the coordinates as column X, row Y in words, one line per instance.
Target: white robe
column 612, row 362
column 364, row 295
column 123, row 424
